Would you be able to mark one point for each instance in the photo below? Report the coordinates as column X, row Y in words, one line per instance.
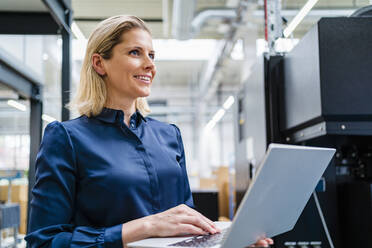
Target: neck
column 126, row 105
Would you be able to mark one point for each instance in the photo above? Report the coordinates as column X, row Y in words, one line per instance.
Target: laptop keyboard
column 203, row 241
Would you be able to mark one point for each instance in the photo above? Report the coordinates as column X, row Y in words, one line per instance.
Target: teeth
column 143, row 78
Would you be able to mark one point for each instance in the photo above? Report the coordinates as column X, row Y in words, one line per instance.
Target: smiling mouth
column 145, row 79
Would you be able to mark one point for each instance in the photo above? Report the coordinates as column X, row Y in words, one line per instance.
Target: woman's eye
column 152, row 56
column 134, row 52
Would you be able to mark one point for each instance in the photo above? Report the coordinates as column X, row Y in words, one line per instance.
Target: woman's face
column 130, row 70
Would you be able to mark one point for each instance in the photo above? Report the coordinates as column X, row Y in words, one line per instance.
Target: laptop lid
column 278, row 193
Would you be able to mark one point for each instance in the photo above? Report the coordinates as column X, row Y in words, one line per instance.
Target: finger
column 184, row 209
column 196, row 221
column 208, row 221
column 211, row 223
column 185, row 229
column 261, row 243
column 269, row 241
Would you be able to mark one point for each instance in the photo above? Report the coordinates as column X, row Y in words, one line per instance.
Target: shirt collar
column 117, row 115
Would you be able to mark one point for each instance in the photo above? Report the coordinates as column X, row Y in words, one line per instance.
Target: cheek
column 132, row 65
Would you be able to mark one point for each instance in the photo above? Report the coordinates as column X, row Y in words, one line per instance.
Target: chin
column 147, row 91
column 144, row 93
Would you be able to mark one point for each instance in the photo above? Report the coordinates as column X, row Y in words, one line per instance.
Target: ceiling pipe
column 187, row 25
column 203, row 16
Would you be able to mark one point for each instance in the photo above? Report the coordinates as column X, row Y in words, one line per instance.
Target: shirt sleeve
column 182, row 161
column 53, row 204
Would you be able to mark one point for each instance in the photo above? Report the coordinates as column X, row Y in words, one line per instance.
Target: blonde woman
column 113, row 175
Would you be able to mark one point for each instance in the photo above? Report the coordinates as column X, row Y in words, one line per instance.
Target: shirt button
column 132, row 125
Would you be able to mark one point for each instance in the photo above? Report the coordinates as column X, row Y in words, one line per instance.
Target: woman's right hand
column 176, row 221
column 180, row 220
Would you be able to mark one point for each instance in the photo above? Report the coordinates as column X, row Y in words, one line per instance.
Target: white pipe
column 185, row 26
column 201, row 18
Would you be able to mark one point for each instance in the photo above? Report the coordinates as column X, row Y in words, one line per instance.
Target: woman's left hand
column 263, row 243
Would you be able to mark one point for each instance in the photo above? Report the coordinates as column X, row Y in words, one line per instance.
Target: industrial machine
column 319, row 94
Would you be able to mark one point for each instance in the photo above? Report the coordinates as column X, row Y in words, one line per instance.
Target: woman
column 113, row 176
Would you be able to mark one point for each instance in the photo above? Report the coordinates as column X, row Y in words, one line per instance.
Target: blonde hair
column 91, row 94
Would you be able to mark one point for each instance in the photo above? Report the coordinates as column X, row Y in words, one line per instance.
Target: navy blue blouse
column 94, row 174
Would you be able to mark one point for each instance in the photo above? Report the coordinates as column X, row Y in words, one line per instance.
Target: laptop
column 272, row 204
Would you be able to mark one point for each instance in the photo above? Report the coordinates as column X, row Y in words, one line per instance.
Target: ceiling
column 156, row 13
column 23, row 5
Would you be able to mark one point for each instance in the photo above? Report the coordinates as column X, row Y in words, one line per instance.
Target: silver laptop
column 274, row 201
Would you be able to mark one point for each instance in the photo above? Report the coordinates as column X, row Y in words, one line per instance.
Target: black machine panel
column 328, row 76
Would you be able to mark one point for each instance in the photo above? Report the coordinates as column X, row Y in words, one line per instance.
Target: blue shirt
column 94, row 174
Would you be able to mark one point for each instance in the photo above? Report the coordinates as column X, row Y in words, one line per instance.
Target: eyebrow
column 140, row 48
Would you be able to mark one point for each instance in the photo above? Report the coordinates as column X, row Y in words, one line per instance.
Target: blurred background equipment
column 10, row 213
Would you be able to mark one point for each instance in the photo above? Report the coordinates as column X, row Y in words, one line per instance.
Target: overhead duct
column 183, row 14
column 186, row 26
column 202, row 17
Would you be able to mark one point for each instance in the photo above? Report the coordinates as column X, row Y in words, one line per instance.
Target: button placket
column 152, row 177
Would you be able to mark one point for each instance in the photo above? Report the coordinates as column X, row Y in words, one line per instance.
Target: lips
column 143, row 78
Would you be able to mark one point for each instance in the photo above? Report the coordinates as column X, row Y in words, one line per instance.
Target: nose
column 149, row 63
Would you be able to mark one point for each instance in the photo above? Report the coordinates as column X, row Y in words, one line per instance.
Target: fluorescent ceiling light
column 17, row 105
column 219, row 114
column 229, row 102
column 209, row 126
column 47, row 118
column 77, row 32
column 299, row 17
column 193, row 49
column 216, row 118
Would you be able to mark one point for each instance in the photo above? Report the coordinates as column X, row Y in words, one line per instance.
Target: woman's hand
column 177, row 221
column 263, row 243
column 180, row 220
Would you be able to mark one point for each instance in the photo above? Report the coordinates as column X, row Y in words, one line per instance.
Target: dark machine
column 319, row 94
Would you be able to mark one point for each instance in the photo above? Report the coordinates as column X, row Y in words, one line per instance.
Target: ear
column 97, row 62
